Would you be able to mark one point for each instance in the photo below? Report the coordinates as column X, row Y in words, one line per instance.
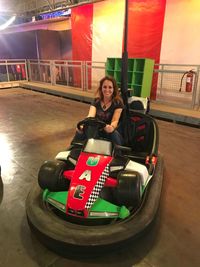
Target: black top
column 106, row 115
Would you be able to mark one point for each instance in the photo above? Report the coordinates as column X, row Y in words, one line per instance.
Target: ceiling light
column 7, row 23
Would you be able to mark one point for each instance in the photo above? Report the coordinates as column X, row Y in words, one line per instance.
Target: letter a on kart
column 86, row 175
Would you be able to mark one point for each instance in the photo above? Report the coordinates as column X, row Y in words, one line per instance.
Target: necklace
column 105, row 105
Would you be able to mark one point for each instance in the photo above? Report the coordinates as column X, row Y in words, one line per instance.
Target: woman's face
column 107, row 89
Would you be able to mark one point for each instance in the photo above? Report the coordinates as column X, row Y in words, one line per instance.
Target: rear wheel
column 50, row 176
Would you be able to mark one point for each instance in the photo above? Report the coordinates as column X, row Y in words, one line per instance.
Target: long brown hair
column 115, row 95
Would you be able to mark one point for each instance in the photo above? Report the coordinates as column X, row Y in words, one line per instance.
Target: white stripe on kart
column 63, row 155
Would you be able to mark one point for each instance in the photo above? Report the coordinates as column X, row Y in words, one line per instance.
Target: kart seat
column 139, row 104
column 142, row 134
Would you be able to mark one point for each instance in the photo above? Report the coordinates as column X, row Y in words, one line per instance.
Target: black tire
column 128, row 191
column 67, row 238
column 50, row 176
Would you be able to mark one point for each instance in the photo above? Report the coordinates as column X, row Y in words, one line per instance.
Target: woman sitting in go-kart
column 97, row 193
column 107, row 107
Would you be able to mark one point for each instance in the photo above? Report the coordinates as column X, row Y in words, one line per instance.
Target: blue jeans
column 115, row 137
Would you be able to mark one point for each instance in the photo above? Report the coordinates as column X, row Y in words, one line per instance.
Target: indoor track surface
column 33, row 128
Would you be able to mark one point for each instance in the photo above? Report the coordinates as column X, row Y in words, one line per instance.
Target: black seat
column 140, row 133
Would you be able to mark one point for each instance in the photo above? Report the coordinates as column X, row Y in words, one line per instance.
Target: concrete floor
column 34, row 127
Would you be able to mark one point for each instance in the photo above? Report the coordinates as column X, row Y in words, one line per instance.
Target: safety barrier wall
column 85, row 75
column 13, row 70
column 172, row 86
column 57, row 72
column 82, row 75
column 178, row 84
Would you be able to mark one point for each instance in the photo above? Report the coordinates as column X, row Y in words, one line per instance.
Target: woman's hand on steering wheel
column 80, row 129
column 91, row 121
column 109, row 128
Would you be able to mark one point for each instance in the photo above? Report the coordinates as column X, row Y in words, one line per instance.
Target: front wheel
column 128, row 191
column 50, row 176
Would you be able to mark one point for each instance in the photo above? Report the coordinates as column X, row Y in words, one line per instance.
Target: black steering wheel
column 91, row 121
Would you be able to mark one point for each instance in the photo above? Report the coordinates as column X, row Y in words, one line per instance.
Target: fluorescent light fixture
column 7, row 23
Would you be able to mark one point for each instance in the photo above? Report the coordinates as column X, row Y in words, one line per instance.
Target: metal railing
column 172, row 85
column 94, row 71
column 169, row 79
column 82, row 75
column 57, row 72
column 13, row 70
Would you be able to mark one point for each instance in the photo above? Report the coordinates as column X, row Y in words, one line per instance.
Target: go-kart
column 96, row 195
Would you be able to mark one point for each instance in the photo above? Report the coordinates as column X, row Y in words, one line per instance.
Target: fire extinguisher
column 189, row 80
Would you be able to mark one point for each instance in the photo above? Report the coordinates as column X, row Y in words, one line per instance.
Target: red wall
column 145, row 28
column 81, row 23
